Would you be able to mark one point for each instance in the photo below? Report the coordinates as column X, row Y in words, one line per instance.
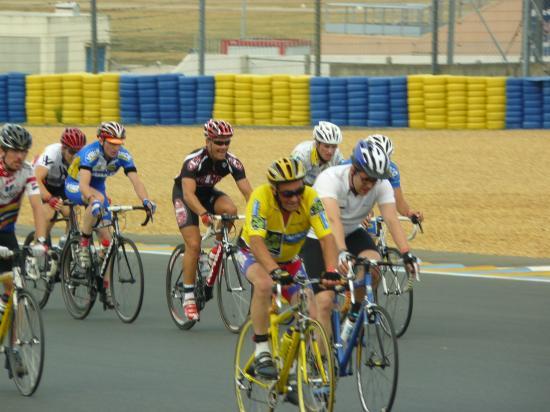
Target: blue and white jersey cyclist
column 85, row 184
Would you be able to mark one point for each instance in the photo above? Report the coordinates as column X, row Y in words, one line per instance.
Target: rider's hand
column 96, row 208
column 330, row 279
column 416, row 216
column 344, row 259
column 5, row 252
column 207, row 219
column 55, row 202
column 281, row 276
column 152, row 206
column 411, row 262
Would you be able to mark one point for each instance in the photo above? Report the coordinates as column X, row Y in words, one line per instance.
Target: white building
column 57, row 42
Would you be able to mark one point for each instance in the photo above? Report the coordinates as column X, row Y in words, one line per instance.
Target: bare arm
column 139, row 187
column 262, row 255
column 389, row 213
column 403, row 207
column 245, row 188
column 333, row 212
column 330, row 252
column 85, row 177
column 41, row 172
column 38, row 215
column 189, row 187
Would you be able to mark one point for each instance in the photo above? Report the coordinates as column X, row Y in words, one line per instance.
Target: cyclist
column 16, row 178
column 278, row 217
column 321, row 152
column 85, row 183
column 50, row 170
column 349, row 193
column 194, row 195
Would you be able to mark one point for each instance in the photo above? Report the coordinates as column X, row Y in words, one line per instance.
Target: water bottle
column 204, row 267
column 213, row 263
column 285, row 343
column 349, row 323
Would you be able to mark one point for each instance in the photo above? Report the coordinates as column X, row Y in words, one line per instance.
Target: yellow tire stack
column 261, row 100
column 477, row 103
column 457, row 106
column 415, row 100
column 91, row 84
column 34, row 99
column 496, row 102
column 435, row 102
column 243, row 100
column 299, row 101
column 73, row 105
column 53, row 99
column 280, row 89
column 224, row 99
column 110, row 100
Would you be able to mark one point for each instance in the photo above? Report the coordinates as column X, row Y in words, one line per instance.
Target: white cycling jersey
column 52, row 159
column 306, row 152
column 334, row 183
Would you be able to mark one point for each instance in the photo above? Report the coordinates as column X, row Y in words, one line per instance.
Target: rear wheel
column 36, row 278
column 26, row 344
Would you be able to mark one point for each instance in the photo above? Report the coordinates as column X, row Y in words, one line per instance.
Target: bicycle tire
column 26, row 344
column 41, row 287
column 77, row 284
column 399, row 300
column 315, row 378
column 377, row 361
column 122, row 284
column 234, row 294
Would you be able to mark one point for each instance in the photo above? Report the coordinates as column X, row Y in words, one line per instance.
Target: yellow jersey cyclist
column 17, row 179
column 321, row 152
column 194, row 195
column 278, row 217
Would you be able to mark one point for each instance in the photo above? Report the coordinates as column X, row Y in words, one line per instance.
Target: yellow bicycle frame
column 5, row 324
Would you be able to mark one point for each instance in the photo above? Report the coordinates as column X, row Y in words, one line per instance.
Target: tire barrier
column 110, row 97
column 129, row 99
column 4, row 116
column 16, row 98
column 34, row 99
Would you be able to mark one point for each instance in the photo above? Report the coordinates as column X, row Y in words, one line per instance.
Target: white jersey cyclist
column 52, row 159
column 307, row 153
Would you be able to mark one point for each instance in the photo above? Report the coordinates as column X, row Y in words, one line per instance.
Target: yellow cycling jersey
column 264, row 219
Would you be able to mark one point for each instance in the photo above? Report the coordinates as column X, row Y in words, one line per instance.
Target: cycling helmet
column 113, row 132
column 285, row 170
column 73, row 138
column 371, row 159
column 383, row 142
column 217, row 128
column 327, row 132
column 15, row 137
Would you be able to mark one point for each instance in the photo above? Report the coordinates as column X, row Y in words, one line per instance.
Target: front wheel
column 126, row 279
column 25, row 352
column 377, row 361
column 35, row 274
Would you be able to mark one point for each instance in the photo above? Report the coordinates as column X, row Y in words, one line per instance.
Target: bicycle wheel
column 252, row 394
column 398, row 300
column 126, row 281
column 25, row 353
column 35, row 275
column 77, row 285
column 234, row 294
column 377, row 361
column 316, row 380
column 174, row 289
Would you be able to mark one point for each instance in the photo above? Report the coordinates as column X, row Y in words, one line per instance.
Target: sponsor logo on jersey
column 273, row 242
column 234, row 162
column 316, row 207
column 92, row 155
column 258, row 223
column 295, row 237
column 194, row 163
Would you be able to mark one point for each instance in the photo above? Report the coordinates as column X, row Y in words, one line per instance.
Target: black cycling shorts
column 184, row 215
column 57, row 191
column 10, row 241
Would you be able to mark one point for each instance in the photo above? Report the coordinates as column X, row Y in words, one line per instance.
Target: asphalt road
column 474, row 344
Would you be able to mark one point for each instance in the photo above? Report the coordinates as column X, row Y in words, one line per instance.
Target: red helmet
column 217, row 128
column 73, row 138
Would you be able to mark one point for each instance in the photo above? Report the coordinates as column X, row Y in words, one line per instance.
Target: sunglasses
column 291, row 193
column 221, row 142
column 365, row 180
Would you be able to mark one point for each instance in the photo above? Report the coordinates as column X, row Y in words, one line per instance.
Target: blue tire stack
column 169, row 99
column 319, row 99
column 338, row 100
column 532, row 104
column 546, row 103
column 16, row 98
column 3, row 97
column 188, row 99
column 358, row 94
column 379, row 102
column 399, row 113
column 148, row 100
column 129, row 99
column 514, row 103
column 206, row 88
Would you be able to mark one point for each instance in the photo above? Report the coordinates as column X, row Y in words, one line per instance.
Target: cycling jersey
column 395, row 178
column 12, row 187
column 52, row 159
column 206, row 172
column 264, row 219
column 307, row 153
column 334, row 183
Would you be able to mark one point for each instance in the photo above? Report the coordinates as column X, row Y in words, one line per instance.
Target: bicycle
column 121, row 265
column 233, row 291
column 395, row 291
column 22, row 331
column 375, row 342
column 304, row 346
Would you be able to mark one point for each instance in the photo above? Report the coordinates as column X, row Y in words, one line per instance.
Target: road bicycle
column 22, row 331
column 374, row 340
column 233, row 291
column 303, row 352
column 120, row 265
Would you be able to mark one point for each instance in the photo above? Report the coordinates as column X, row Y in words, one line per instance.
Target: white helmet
column 327, row 132
column 371, row 159
column 383, row 142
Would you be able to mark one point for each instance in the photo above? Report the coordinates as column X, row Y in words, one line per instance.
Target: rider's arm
column 403, row 207
column 244, row 187
column 85, row 177
column 189, row 186
column 330, row 252
column 38, row 215
column 261, row 254
column 389, row 213
column 333, row 212
column 41, row 172
column 139, row 187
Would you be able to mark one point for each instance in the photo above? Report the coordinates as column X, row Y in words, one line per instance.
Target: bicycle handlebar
column 128, row 208
column 417, row 225
column 211, row 231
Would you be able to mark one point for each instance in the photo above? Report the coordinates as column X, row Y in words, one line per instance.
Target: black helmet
column 15, row 137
